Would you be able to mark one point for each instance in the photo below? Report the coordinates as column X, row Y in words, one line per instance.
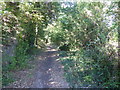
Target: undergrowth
column 89, row 68
column 17, row 62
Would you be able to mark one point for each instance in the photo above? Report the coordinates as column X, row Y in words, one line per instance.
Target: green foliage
column 84, row 26
column 89, row 68
column 25, row 22
column 57, row 38
column 7, row 78
column 21, row 54
column 93, row 65
column 81, row 28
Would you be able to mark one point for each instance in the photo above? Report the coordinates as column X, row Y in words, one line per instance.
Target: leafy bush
column 7, row 78
column 89, row 68
column 19, row 61
column 58, row 38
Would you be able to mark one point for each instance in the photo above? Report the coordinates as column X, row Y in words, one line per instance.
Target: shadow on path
column 49, row 72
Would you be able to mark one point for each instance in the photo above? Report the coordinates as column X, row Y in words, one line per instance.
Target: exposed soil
column 47, row 72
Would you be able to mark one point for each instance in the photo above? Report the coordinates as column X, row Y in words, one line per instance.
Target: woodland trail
column 48, row 72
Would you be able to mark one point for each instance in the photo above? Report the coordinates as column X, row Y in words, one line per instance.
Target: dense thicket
column 90, row 29
column 88, row 32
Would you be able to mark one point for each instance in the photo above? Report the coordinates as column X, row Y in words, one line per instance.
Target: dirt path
column 48, row 72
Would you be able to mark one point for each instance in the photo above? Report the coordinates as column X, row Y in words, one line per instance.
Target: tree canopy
column 88, row 31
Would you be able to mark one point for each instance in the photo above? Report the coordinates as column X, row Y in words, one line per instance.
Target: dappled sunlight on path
column 48, row 72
